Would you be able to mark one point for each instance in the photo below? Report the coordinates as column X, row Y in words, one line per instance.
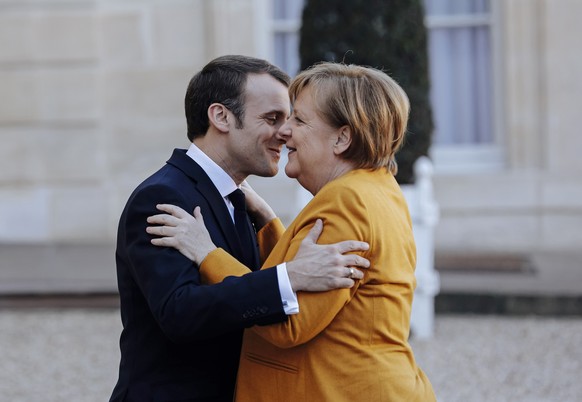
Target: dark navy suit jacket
column 181, row 339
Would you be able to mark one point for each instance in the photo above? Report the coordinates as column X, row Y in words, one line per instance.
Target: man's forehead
column 264, row 80
column 267, row 92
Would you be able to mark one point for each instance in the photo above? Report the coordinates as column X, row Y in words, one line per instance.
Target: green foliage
column 387, row 34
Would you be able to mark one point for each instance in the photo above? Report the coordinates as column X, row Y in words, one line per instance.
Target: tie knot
column 237, row 197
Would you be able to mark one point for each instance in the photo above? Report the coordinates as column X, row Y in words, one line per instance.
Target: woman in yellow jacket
column 347, row 344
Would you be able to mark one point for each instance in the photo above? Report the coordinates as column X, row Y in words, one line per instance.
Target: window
column 286, row 23
column 460, row 69
column 461, row 44
column 460, row 48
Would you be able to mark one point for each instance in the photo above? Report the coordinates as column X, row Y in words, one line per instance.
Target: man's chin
column 271, row 173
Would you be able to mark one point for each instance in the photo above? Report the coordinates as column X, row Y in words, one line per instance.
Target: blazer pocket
column 283, row 381
column 274, row 364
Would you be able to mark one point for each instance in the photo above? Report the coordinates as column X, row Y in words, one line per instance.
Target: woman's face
column 310, row 141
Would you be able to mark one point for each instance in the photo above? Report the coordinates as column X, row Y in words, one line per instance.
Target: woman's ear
column 343, row 141
column 218, row 117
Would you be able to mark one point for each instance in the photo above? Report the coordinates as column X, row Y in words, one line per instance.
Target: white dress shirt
column 225, row 185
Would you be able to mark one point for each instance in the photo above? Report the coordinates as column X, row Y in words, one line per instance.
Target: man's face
column 256, row 146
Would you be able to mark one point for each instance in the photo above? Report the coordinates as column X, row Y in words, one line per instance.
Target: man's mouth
column 276, row 151
column 291, row 149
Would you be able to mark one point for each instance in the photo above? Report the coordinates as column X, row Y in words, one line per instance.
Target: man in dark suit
column 181, row 339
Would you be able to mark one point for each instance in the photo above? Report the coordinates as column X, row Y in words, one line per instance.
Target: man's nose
column 284, row 132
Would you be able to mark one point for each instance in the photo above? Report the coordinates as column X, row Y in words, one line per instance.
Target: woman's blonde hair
column 365, row 99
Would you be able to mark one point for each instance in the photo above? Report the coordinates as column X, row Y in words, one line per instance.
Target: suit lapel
column 206, row 188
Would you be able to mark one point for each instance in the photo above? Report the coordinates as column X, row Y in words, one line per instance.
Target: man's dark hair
column 223, row 81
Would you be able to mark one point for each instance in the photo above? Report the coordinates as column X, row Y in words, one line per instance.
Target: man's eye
column 271, row 119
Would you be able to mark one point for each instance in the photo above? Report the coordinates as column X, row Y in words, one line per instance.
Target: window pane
column 461, row 85
column 286, row 54
column 483, row 86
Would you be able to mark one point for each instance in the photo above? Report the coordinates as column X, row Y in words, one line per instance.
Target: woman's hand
column 180, row 230
column 260, row 212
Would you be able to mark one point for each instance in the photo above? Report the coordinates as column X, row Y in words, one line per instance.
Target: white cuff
column 288, row 296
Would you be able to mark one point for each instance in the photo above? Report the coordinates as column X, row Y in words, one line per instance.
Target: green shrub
column 387, row 34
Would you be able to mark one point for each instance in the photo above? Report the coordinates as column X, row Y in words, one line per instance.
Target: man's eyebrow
column 276, row 112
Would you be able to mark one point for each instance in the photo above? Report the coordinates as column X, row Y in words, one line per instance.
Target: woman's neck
column 339, row 169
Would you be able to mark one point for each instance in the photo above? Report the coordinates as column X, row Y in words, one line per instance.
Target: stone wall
column 535, row 201
column 92, row 104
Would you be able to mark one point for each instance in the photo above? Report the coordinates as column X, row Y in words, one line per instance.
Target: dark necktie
column 244, row 229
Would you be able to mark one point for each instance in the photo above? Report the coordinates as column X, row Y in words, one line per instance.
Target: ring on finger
column 351, row 273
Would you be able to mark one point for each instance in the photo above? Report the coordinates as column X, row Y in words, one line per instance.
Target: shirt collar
column 221, row 180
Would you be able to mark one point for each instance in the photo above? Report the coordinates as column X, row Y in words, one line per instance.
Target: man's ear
column 218, row 117
column 343, row 141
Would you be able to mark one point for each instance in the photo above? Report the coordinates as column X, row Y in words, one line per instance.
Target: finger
column 245, row 185
column 343, row 283
column 353, row 273
column 172, row 210
column 161, row 230
column 163, row 219
column 198, row 214
column 354, row 260
column 315, row 232
column 352, row 245
column 163, row 242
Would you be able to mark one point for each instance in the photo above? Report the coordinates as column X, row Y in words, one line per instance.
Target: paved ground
column 72, row 355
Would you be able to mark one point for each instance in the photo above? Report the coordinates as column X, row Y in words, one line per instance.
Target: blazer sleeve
column 268, row 237
column 345, row 218
column 185, row 309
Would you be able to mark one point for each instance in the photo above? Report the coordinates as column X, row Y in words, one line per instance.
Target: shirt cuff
column 288, row 296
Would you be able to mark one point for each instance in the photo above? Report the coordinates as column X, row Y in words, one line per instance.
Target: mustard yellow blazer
column 347, row 344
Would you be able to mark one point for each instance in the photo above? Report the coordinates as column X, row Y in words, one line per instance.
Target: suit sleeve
column 184, row 308
column 345, row 218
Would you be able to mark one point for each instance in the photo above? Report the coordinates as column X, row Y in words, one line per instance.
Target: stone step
column 507, row 304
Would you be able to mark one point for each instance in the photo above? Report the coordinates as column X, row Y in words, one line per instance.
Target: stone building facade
column 92, row 103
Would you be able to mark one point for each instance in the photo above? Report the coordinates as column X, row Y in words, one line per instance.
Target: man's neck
column 217, row 151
